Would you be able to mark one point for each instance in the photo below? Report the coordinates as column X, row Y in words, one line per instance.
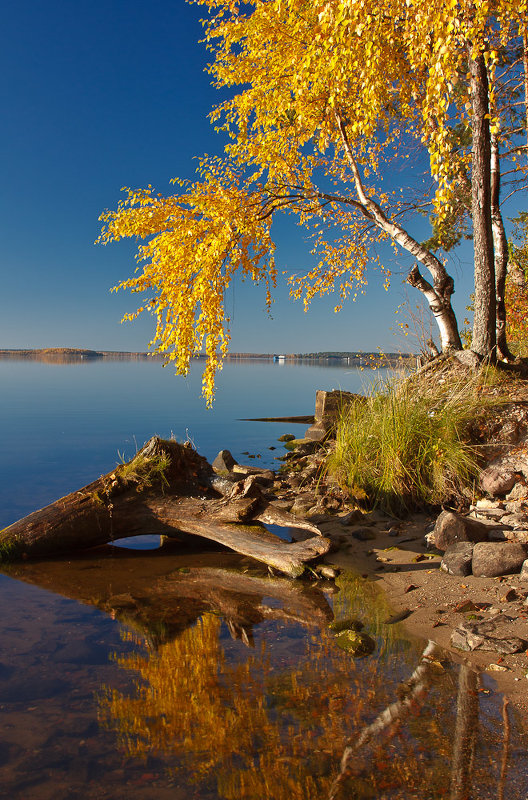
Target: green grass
column 408, row 444
column 145, row 470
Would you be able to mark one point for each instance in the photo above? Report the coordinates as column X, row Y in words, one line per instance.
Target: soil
column 434, row 603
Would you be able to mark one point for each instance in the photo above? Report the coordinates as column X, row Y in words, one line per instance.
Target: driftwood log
column 168, row 488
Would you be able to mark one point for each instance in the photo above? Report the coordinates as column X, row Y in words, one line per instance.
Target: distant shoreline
column 353, row 358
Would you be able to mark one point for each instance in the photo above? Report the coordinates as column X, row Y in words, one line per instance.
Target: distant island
column 356, row 358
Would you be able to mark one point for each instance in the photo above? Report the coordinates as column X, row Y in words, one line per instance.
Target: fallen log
column 167, row 488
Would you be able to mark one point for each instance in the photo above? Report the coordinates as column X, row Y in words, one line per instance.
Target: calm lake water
column 163, row 673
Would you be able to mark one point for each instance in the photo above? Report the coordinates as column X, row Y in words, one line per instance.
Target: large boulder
column 491, row 559
column 451, row 528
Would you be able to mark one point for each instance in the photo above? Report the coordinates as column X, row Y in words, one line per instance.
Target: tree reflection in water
column 259, row 728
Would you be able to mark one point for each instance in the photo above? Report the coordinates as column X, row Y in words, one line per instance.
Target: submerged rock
column 478, row 636
column 356, row 643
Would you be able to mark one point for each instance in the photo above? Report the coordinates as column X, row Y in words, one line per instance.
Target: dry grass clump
column 409, row 443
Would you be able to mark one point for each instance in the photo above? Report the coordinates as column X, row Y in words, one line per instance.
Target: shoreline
column 354, row 359
column 430, row 602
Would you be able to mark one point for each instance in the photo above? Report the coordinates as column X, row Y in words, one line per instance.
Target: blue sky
column 99, row 95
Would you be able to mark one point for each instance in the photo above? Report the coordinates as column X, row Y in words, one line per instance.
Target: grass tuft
column 408, row 444
column 145, row 470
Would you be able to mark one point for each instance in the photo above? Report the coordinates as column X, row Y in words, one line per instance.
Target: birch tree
column 327, row 97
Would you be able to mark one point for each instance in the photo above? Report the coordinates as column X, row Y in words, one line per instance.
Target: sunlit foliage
column 329, row 93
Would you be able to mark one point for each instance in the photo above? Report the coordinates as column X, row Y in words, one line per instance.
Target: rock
column 351, row 518
column 524, row 571
column 328, row 409
column 327, row 572
column 497, row 481
column 430, row 541
column 286, row 437
column 317, row 514
column 329, row 405
column 457, row 559
column 356, row 643
column 332, row 503
column 363, row 534
column 507, row 595
column 519, row 492
column 517, row 521
column 491, row 559
column 465, row 606
column 303, row 504
column 497, row 535
column 302, row 447
column 348, row 624
column 451, row 528
column 477, row 636
column 488, row 505
column 224, row 462
column 310, row 472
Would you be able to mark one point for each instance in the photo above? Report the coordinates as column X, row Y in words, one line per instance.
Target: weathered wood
column 167, row 488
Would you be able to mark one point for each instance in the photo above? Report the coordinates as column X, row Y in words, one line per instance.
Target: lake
column 170, row 673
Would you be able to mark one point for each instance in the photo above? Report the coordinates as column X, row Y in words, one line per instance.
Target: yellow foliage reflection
column 265, row 731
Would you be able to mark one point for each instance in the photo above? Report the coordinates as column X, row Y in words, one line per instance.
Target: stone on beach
column 451, row 528
column 457, row 559
column 492, row 559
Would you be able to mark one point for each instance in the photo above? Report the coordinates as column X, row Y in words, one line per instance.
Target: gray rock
column 497, row 481
column 524, row 571
column 451, row 528
column 491, row 559
column 224, row 462
column 519, row 492
column 457, row 559
column 517, row 521
column 478, row 636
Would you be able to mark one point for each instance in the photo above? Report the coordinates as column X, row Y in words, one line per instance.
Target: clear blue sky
column 98, row 95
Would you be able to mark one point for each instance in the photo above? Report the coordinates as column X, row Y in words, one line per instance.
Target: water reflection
column 230, row 684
